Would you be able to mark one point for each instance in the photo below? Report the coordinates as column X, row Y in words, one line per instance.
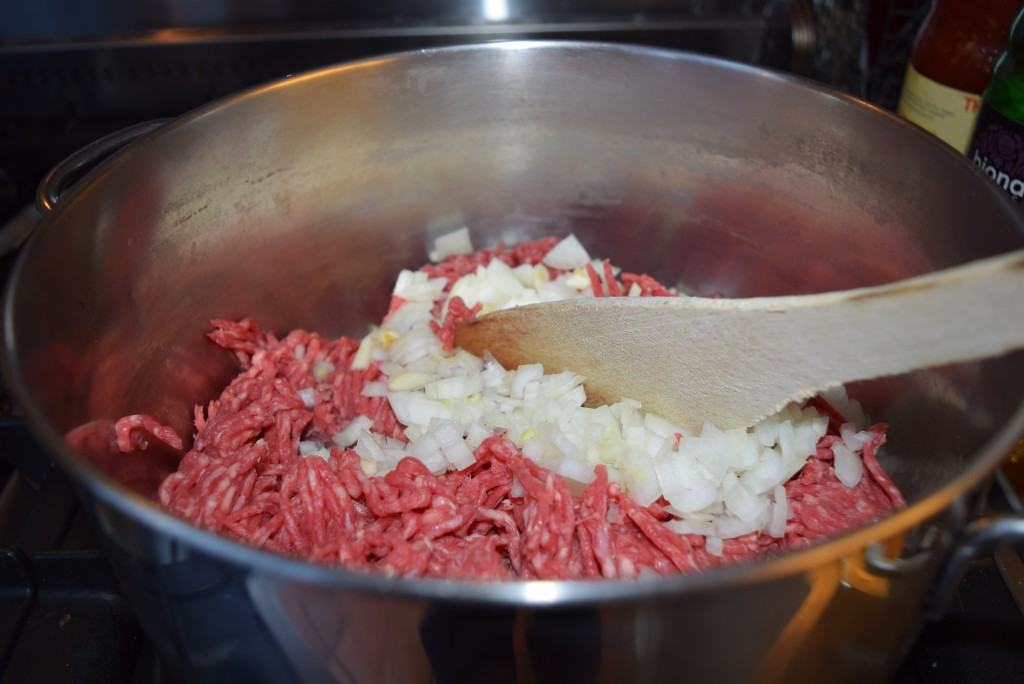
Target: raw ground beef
column 504, row 517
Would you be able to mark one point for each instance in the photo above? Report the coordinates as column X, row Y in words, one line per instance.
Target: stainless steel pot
column 297, row 203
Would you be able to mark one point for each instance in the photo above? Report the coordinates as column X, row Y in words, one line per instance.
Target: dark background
column 74, row 70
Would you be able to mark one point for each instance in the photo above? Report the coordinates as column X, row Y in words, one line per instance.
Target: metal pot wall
column 297, row 202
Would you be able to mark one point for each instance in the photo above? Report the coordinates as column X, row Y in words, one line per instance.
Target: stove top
column 62, row 618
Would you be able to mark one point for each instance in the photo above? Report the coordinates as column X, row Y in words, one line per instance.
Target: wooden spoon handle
column 821, row 341
column 733, row 362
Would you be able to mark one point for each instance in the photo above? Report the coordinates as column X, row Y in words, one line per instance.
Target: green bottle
column 997, row 145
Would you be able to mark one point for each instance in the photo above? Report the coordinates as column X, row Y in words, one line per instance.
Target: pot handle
column 982, row 536
column 78, row 163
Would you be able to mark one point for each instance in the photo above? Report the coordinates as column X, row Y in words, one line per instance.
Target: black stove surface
column 63, row 619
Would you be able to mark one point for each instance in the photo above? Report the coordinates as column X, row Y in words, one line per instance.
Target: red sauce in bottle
column 951, row 64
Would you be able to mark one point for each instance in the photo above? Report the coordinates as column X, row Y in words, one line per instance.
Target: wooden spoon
column 736, row 361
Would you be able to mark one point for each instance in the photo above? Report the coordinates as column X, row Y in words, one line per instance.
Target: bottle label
column 945, row 112
column 997, row 148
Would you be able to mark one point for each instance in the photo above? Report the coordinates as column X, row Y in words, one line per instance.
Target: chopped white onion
column 683, row 484
column 390, row 443
column 375, row 389
column 454, row 388
column 412, row 408
column 641, row 479
column 322, row 370
column 780, row 513
column 429, row 451
column 307, row 447
column 415, row 344
column 393, row 456
column 730, row 527
column 525, row 274
column 459, row 455
column 849, row 467
column 740, row 502
column 687, row 526
column 367, row 447
column 852, row 438
column 363, row 356
column 417, row 286
column 448, row 436
column 408, row 316
column 660, row 426
column 848, row 408
column 425, row 364
column 493, row 287
column 348, row 436
column 568, row 253
column 476, row 434
column 765, row 474
column 575, row 470
column 403, row 382
column 455, row 242
column 524, row 375
column 308, row 396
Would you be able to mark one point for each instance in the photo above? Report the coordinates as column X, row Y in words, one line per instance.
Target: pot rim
column 533, row 593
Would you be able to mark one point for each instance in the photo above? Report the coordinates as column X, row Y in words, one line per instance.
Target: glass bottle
column 950, row 65
column 997, row 146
